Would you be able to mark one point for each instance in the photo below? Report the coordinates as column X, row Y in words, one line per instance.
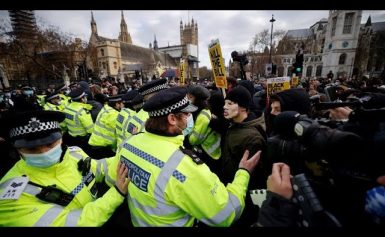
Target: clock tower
column 341, row 39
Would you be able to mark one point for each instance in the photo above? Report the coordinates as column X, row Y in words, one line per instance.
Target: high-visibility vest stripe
column 49, row 216
column 73, row 217
column 232, row 204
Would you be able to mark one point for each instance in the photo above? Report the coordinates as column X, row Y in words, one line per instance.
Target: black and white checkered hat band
column 170, row 109
column 53, row 97
column 154, row 89
column 80, row 96
column 42, row 126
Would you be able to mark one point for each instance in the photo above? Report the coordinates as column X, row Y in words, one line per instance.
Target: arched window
column 289, row 69
column 280, row 71
column 342, row 59
column 318, row 71
column 115, row 65
column 309, row 70
column 102, row 52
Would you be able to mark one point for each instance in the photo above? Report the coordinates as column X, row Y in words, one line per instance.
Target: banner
column 294, row 82
column 182, row 71
column 217, row 64
column 277, row 84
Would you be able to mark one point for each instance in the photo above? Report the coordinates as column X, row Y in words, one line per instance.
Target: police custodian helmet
column 32, row 128
column 172, row 100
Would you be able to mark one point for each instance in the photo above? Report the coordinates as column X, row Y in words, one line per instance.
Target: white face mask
column 231, row 109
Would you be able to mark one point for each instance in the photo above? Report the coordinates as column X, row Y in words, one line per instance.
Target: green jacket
column 239, row 137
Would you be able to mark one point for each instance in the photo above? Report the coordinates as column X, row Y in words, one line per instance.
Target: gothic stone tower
column 341, row 39
column 124, row 36
column 189, row 35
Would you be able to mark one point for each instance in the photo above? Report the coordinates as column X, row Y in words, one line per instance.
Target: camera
column 337, row 164
column 241, row 58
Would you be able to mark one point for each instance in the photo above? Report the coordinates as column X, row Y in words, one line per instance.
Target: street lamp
column 271, row 36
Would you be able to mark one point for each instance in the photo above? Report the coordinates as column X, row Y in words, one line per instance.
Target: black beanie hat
column 241, row 96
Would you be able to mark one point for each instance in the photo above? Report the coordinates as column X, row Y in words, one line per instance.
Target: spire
column 92, row 18
column 369, row 21
column 94, row 30
column 155, row 43
column 124, row 36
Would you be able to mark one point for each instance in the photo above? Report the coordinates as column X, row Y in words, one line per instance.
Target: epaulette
column 193, row 156
column 74, row 148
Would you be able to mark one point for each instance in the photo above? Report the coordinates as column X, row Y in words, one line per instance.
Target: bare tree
column 43, row 55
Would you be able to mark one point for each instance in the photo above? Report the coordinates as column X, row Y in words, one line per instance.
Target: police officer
column 172, row 186
column 78, row 120
column 136, row 123
column 53, row 102
column 202, row 137
column 52, row 184
column 125, row 115
column 63, row 91
column 103, row 139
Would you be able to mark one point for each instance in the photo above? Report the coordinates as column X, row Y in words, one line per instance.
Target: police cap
column 115, row 98
column 61, row 87
column 168, row 101
column 199, row 91
column 33, row 128
column 77, row 94
column 153, row 86
column 51, row 96
column 130, row 95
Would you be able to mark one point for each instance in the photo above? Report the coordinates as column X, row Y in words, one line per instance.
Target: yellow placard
column 217, row 64
column 294, row 81
column 182, row 69
column 277, row 84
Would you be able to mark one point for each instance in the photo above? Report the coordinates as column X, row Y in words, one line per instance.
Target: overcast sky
column 233, row 28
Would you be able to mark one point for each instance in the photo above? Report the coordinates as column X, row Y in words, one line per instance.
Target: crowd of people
column 164, row 154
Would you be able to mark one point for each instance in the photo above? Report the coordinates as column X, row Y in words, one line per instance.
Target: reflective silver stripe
column 200, row 137
column 98, row 170
column 104, row 127
column 105, row 168
column 49, row 216
column 104, row 136
column 31, row 189
column 118, row 128
column 126, row 122
column 206, row 114
column 76, row 155
column 233, row 204
column 89, row 127
column 215, row 146
column 177, row 223
column 73, row 217
column 138, row 120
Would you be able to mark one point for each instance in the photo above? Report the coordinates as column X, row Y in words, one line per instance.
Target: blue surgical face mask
column 44, row 160
column 375, row 201
column 28, row 92
column 190, row 125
